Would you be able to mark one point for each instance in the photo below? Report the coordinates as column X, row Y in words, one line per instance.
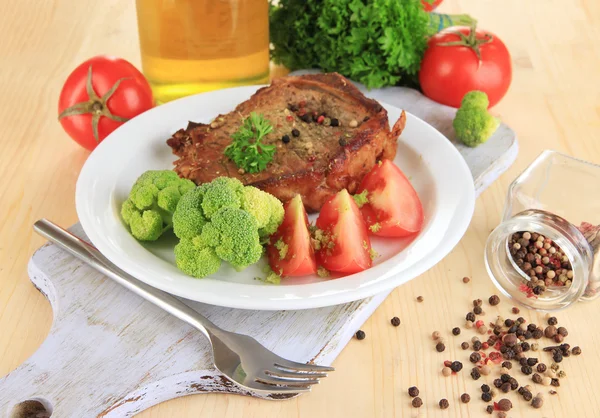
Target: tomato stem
column 471, row 41
column 96, row 105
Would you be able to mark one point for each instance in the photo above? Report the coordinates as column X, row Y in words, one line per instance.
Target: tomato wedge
column 393, row 208
column 344, row 244
column 290, row 251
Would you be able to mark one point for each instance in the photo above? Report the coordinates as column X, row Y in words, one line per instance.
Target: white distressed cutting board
column 111, row 354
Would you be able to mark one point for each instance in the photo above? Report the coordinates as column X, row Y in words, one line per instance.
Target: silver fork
column 239, row 357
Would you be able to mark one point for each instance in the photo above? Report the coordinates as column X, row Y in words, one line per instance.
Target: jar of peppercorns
column 545, row 254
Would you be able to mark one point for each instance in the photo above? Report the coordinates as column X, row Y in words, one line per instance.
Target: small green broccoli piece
column 148, row 210
column 195, row 258
column 375, row 227
column 361, row 198
column 222, row 192
column 473, row 124
column 266, row 209
column 188, row 218
column 233, row 233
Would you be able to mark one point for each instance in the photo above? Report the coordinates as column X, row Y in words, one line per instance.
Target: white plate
column 436, row 169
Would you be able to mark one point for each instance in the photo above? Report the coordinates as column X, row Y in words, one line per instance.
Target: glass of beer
column 193, row 46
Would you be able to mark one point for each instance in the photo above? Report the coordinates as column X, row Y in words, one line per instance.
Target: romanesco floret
column 473, row 124
column 266, row 209
column 195, row 258
column 233, row 233
column 148, row 211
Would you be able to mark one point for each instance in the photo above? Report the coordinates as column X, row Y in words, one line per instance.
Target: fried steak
column 336, row 135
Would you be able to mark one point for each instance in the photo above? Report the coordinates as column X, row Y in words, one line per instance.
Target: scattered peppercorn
column 561, row 374
column 285, row 139
column 395, row 321
column 536, row 378
column 555, row 382
column 538, row 401
column 474, row 357
column 552, row 392
column 576, row 351
column 466, row 279
column 523, row 361
column 532, row 361
column 494, row 300
column 485, row 388
column 489, row 409
column 486, row 396
column 558, row 338
column 485, row 370
column 335, row 122
column 475, row 373
column 465, row 398
column 446, row 371
column 464, row 345
column 501, row 415
column 342, row 142
column 417, row 402
column 471, row 317
column 552, row 320
column 538, row 333
column 541, row 367
column 513, row 383
column 525, row 346
column 435, row 335
column 562, row 331
column 498, row 383
column 420, row 299
column 456, row 366
column 444, row 404
column 506, row 387
column 413, row 391
column 557, row 356
column 306, row 117
column 477, row 345
column 546, row 381
column 440, row 347
column 360, row 335
column 507, row 365
column 477, row 310
column 515, row 310
column 504, row 405
column 456, row 331
column 527, row 395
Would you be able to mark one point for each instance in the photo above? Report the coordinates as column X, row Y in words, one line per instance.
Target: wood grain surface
column 554, row 102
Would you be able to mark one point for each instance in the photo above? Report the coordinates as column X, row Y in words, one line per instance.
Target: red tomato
column 393, row 208
column 88, row 117
column 449, row 72
column 298, row 254
column 430, row 5
column 346, row 247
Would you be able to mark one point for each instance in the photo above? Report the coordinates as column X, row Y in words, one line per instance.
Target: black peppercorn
column 456, row 331
column 523, row 361
column 494, row 299
column 465, row 398
column 413, row 391
column 557, row 357
column 474, row 357
column 510, row 354
column 505, row 378
column 525, row 346
column 456, row 366
column 485, row 388
column 475, row 373
column 527, row 395
column 555, row 382
column 513, row 329
column 536, row 378
column 507, row 365
column 417, row 402
column 293, row 107
column 342, row 142
column 532, row 361
column 531, row 327
column 295, row 132
column 526, row 370
column 509, row 322
column 464, row 345
column 395, row 321
column 541, row 368
column 489, row 409
column 521, row 390
column 477, row 345
column 285, row 139
column 440, row 347
column 477, row 310
column 498, row 383
column 471, row 317
column 552, row 320
column 562, row 331
column 306, row 117
column 513, row 383
column 505, row 387
column 576, row 351
column 334, row 122
column 486, row 396
column 444, row 403
column 538, row 333
column 528, row 335
column 360, row 335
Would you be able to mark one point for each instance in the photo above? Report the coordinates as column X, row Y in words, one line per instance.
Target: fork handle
column 90, row 255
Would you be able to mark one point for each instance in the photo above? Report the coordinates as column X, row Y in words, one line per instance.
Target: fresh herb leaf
column 247, row 150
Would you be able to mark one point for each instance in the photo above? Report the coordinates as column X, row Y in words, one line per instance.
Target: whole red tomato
column 99, row 96
column 461, row 59
column 430, row 5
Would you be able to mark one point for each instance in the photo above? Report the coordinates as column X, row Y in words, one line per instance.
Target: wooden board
column 111, row 354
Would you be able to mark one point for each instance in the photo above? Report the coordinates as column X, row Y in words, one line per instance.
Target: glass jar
column 555, row 201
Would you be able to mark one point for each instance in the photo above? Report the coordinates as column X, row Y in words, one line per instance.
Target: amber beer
column 192, row 46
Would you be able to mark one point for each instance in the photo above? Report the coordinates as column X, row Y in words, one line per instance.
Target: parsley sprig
column 247, row 151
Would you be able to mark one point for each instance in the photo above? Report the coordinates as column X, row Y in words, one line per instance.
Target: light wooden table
column 554, row 102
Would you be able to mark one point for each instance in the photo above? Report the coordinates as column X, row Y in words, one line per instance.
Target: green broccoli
column 233, row 233
column 223, row 220
column 473, row 124
column 266, row 209
column 195, row 258
column 148, row 211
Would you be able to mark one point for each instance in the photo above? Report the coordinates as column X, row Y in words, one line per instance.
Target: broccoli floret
column 233, row 233
column 473, row 124
column 148, row 210
column 222, row 192
column 195, row 258
column 266, row 209
column 188, row 218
